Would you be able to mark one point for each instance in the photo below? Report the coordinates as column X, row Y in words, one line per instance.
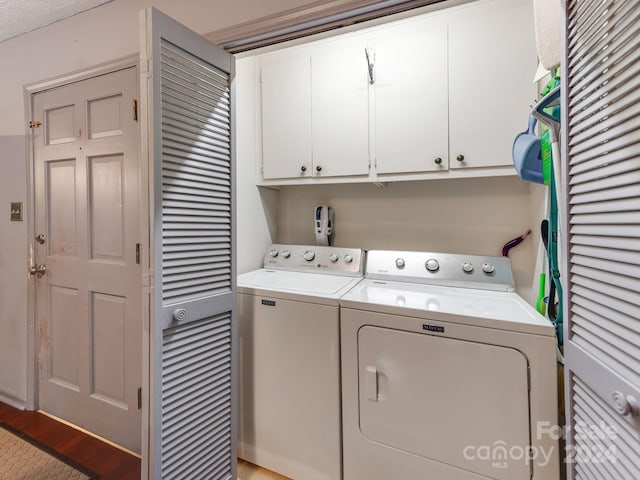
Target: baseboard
column 15, row 402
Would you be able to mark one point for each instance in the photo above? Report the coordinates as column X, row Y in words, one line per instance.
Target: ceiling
column 21, row 16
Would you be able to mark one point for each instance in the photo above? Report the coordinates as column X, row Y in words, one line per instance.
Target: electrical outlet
column 16, row 211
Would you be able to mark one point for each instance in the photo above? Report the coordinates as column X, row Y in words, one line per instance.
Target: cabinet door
column 492, row 61
column 411, row 115
column 340, row 108
column 286, row 114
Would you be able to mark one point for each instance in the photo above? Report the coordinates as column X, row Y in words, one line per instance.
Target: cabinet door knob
column 460, row 158
column 438, row 161
column 318, row 168
column 303, row 168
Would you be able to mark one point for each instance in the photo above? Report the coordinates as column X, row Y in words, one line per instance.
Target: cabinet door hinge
column 370, row 66
column 139, row 398
column 135, row 110
column 137, row 254
column 34, row 124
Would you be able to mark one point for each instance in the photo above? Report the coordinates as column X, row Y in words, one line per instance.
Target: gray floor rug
column 22, row 458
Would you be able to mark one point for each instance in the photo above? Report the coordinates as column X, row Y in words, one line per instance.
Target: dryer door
column 461, row 403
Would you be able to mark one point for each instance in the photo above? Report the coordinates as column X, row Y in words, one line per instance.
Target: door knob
column 38, row 270
column 460, row 158
column 625, row 405
column 40, row 239
column 179, row 314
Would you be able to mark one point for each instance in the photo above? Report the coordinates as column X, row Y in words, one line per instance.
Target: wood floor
column 108, row 462
column 248, row 471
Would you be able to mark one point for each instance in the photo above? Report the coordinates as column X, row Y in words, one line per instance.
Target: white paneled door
column 88, row 301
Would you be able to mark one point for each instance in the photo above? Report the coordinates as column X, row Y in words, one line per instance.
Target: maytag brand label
column 431, row 328
column 269, row 303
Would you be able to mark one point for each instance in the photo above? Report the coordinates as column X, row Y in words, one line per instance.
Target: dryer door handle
column 371, row 383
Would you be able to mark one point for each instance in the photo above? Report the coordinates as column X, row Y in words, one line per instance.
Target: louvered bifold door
column 192, row 332
column 602, row 350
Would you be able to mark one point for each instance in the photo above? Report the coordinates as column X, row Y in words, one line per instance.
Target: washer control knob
column 309, row 255
column 400, row 262
column 333, row 258
column 286, row 253
column 432, row 265
column 467, row 267
column 273, row 253
column 348, row 258
column 488, row 268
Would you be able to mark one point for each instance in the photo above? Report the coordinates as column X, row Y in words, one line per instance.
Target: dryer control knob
column 400, row 262
column 309, row 255
column 333, row 258
column 432, row 265
column 286, row 253
column 488, row 268
column 348, row 258
column 273, row 253
column 467, row 267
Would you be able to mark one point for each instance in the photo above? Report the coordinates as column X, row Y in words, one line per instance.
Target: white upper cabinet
column 340, row 108
column 411, row 111
column 286, row 114
column 447, row 93
column 491, row 65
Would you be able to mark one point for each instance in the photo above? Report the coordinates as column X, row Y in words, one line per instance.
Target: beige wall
column 474, row 216
column 90, row 38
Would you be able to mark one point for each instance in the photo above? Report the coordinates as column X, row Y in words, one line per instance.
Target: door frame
column 30, row 91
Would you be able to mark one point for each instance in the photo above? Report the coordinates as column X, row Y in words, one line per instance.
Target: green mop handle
column 541, row 307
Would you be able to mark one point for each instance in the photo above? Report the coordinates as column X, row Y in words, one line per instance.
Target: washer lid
column 311, row 284
column 502, row 310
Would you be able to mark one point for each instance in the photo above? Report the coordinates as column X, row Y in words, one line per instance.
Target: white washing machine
column 447, row 374
column 289, row 365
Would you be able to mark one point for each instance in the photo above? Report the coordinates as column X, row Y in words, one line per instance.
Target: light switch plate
column 16, row 211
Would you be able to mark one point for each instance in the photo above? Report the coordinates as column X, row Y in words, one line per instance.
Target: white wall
column 13, row 269
column 257, row 208
column 93, row 37
column 474, row 216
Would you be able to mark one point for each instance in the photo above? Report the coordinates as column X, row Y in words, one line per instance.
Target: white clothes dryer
column 289, row 365
column 447, row 374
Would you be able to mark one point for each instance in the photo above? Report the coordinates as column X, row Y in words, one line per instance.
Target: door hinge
column 139, row 398
column 137, row 254
column 34, row 124
column 135, row 110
